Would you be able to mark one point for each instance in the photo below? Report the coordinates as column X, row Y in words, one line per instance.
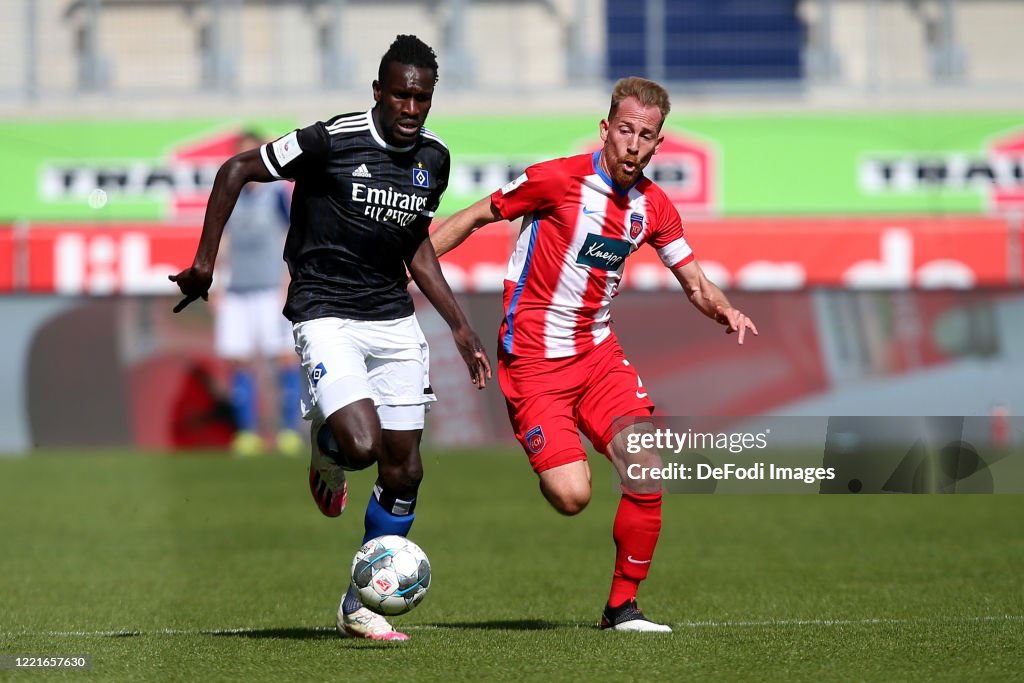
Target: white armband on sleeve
column 676, row 253
column 280, row 153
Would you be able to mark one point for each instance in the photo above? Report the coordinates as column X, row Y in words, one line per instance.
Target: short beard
column 623, row 180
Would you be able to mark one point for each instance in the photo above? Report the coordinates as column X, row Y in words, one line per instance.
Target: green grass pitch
column 206, row 568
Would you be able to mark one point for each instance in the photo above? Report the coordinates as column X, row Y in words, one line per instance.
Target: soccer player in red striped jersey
column 560, row 365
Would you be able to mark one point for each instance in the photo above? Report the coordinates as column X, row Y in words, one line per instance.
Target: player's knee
column 571, row 504
column 357, row 451
column 403, row 478
column 568, row 500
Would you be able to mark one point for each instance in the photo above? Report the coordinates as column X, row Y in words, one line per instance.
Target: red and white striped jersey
column 578, row 228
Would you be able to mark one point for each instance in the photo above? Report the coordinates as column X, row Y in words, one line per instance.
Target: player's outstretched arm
column 426, row 273
column 456, row 228
column 711, row 301
column 195, row 281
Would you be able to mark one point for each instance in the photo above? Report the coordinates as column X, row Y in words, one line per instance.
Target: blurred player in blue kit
column 248, row 326
column 366, row 188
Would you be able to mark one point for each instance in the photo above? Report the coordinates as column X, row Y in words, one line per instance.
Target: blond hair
column 647, row 93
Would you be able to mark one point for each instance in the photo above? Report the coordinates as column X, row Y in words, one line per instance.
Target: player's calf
column 636, row 465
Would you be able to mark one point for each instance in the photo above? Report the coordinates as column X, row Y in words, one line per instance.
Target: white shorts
column 345, row 361
column 250, row 324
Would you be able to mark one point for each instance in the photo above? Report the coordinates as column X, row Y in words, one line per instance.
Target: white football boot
column 366, row 624
column 628, row 617
column 327, row 481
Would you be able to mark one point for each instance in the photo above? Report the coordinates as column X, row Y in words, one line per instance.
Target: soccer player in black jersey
column 366, row 188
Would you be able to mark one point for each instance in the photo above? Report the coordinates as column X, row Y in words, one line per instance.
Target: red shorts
column 551, row 400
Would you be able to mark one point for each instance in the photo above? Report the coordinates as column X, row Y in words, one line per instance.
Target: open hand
column 474, row 356
column 735, row 321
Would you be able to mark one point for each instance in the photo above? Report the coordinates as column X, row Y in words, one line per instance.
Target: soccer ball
column 391, row 575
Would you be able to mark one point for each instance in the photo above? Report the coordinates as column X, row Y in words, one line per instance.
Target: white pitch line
column 241, row 631
column 849, row 622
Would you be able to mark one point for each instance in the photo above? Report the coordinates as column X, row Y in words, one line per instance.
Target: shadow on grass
column 329, row 633
column 286, row 633
column 507, row 625
column 305, row 633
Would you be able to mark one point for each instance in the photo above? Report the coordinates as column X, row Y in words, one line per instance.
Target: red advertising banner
column 739, row 254
column 121, row 259
column 899, row 253
column 793, row 253
column 7, row 256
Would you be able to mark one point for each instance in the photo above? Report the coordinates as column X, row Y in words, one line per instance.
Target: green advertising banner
column 117, row 170
column 745, row 165
column 727, row 165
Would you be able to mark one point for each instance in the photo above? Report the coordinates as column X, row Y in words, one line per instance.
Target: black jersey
column 360, row 209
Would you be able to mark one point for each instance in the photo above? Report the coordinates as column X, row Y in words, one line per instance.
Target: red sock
column 636, row 530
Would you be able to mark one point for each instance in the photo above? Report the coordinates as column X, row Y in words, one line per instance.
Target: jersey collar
column 622, row 192
column 380, row 139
